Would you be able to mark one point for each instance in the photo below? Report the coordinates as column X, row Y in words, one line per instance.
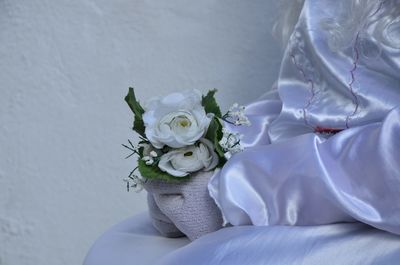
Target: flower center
column 190, row 153
column 182, row 121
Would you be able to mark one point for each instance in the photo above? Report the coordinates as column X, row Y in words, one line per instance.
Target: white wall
column 65, row 66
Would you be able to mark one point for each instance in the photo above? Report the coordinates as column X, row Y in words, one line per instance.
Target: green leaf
column 210, row 104
column 134, row 105
column 214, row 134
column 153, row 172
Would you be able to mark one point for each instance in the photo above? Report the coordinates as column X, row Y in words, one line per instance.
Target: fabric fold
column 310, row 180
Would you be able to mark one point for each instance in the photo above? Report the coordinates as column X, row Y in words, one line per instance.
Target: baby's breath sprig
column 134, row 149
column 152, row 158
column 134, row 181
column 236, row 116
column 230, row 143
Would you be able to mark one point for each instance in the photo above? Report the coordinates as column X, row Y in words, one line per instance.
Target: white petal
column 160, row 113
column 165, row 165
column 214, row 157
column 173, row 99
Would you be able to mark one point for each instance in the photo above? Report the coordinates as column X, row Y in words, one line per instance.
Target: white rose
column 176, row 120
column 182, row 161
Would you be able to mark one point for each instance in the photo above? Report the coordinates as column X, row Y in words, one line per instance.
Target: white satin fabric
column 290, row 173
column 132, row 242
column 344, row 244
column 135, row 242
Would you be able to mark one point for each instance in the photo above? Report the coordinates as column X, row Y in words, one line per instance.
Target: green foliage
column 214, row 134
column 134, row 105
column 153, row 172
column 210, row 104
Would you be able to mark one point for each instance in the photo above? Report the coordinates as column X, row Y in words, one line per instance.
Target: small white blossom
column 153, row 154
column 149, row 160
column 233, row 107
column 134, row 182
column 230, row 142
column 237, row 115
column 149, row 150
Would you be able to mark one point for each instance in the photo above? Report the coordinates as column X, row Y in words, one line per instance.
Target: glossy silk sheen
column 290, row 173
column 335, row 244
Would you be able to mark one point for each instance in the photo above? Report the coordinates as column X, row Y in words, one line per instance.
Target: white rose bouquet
column 183, row 139
column 181, row 134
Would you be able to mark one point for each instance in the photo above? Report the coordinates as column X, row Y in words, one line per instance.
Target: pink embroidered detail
column 312, row 88
column 327, row 130
column 356, row 58
column 353, row 79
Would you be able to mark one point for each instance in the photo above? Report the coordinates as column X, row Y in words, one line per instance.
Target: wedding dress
column 332, row 152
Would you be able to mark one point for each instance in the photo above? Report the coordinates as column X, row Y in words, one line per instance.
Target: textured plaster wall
column 65, row 66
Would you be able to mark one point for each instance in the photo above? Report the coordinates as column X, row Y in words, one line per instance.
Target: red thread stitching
column 312, row 88
column 353, row 79
column 356, row 58
column 327, row 130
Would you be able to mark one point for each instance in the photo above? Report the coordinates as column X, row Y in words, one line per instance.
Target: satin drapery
column 289, row 173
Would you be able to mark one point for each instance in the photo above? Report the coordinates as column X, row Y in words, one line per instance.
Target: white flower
column 230, row 142
column 149, row 150
column 182, row 161
column 233, row 107
column 148, row 160
column 153, row 154
column 176, row 120
column 135, row 182
column 236, row 113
